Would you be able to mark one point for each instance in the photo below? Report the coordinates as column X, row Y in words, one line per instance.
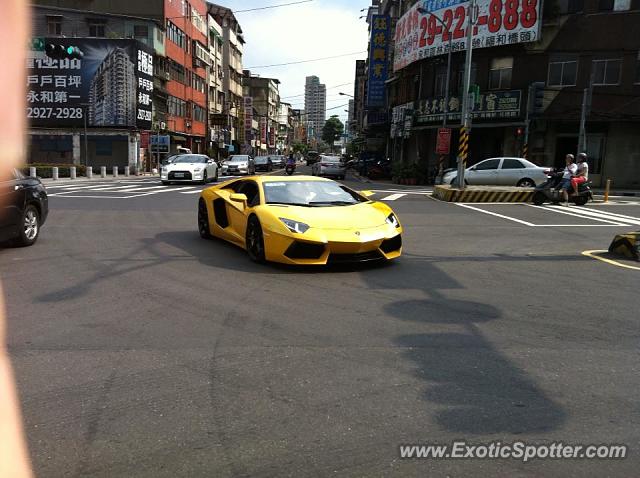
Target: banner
column 112, row 84
column 421, row 35
column 248, row 118
column 378, row 59
column 263, row 129
column 490, row 105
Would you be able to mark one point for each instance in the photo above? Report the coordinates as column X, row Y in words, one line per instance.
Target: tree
column 332, row 130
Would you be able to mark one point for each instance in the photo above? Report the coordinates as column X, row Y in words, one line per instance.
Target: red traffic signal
column 519, row 131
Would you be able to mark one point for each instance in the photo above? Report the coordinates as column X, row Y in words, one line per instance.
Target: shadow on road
column 471, row 387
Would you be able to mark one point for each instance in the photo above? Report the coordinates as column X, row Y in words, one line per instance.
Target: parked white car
column 189, row 167
column 501, row 172
column 329, row 166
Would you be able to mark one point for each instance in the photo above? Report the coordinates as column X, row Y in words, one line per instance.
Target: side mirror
column 210, row 161
column 366, row 193
column 237, row 197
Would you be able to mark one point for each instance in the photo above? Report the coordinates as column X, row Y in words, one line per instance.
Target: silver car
column 501, row 172
column 240, row 164
column 329, row 166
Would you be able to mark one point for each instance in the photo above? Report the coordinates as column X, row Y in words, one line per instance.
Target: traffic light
column 536, row 97
column 519, row 132
column 60, row 52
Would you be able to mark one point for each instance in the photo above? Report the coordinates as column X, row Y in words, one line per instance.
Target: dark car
column 24, row 210
column 312, row 157
column 277, row 160
column 263, row 163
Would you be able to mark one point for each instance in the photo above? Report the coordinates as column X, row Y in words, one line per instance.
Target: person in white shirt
column 582, row 174
column 569, row 172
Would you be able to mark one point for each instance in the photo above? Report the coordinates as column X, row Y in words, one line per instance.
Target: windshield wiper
column 335, row 203
column 290, row 203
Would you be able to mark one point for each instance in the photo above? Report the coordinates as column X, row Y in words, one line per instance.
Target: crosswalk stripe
column 570, row 213
column 608, row 215
column 393, row 197
column 164, row 190
column 191, row 192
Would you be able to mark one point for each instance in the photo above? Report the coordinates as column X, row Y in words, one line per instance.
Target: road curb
column 480, row 194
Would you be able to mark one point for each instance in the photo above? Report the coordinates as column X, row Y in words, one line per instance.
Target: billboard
column 378, row 59
column 420, row 35
column 112, row 85
column 492, row 105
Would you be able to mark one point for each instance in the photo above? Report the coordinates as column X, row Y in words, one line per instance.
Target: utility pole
column 463, row 148
column 587, row 95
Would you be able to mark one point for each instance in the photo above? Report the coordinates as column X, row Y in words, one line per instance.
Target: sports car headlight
column 197, row 170
column 295, row 226
column 393, row 220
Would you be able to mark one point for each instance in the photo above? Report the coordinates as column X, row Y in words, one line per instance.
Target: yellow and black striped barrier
column 482, row 194
column 463, row 145
column 525, row 151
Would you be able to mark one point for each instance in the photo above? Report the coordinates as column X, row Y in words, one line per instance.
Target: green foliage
column 332, row 130
column 46, row 170
column 300, row 148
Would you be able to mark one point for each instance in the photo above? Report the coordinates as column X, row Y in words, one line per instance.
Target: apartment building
column 315, row 105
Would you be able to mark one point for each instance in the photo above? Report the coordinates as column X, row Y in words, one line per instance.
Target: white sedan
column 501, row 172
column 189, row 167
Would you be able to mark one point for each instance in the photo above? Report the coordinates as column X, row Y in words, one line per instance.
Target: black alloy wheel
column 255, row 240
column 205, row 179
column 203, row 220
column 539, row 198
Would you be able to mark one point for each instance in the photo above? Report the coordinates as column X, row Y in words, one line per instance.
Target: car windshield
column 189, row 158
column 310, row 193
column 238, row 159
column 330, row 159
column 262, row 160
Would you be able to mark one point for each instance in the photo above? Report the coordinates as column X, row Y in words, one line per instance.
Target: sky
column 317, row 29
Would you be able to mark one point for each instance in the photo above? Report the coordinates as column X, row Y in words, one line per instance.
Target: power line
column 306, row 61
column 328, row 88
column 272, row 6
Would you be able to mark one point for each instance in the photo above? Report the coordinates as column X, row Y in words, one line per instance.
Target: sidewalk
column 618, row 192
column 97, row 177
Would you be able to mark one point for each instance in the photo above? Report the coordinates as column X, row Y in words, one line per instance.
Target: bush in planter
column 46, row 170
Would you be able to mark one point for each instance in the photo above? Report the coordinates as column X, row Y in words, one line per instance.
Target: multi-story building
column 569, row 47
column 315, row 106
column 108, row 98
column 218, row 120
column 233, row 46
column 183, row 64
column 285, row 128
column 266, row 103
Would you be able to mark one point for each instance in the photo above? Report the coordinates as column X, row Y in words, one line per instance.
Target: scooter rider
column 569, row 172
column 582, row 176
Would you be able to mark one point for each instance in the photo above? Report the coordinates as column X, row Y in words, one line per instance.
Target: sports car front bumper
column 319, row 247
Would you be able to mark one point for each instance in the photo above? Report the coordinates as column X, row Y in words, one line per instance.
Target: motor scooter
column 290, row 168
column 549, row 192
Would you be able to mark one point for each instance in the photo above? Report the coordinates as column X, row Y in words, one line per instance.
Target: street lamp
column 345, row 94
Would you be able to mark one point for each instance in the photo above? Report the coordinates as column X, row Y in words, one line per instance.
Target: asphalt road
column 142, row 350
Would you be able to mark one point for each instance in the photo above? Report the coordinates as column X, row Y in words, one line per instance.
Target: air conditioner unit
column 167, row 75
column 163, row 125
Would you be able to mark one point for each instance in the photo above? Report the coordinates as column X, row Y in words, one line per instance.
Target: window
column 575, row 6
column 176, row 72
column 177, row 36
column 440, row 82
column 54, row 25
column 500, row 73
column 176, row 106
column 488, row 164
column 562, row 73
column 510, row 163
column 606, row 72
column 474, row 74
column 621, row 5
column 96, row 28
column 199, row 114
column 141, row 31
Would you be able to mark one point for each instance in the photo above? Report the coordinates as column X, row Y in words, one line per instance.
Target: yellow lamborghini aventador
column 299, row 220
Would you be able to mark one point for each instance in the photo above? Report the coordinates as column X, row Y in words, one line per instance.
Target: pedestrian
column 569, row 172
column 582, row 174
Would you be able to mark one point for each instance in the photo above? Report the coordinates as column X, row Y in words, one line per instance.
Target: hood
column 359, row 216
column 183, row 166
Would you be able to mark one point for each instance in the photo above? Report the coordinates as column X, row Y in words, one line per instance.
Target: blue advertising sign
column 159, row 144
column 378, row 60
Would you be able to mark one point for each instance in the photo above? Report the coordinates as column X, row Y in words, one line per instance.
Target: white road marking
column 570, row 213
column 192, row 192
column 601, row 216
column 393, row 197
column 496, row 214
column 613, row 215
